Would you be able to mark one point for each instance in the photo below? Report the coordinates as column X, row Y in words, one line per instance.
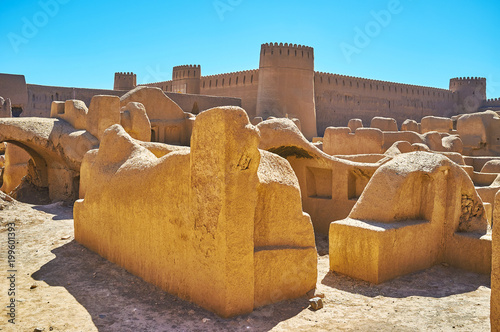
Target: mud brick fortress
column 233, row 175
column 285, row 85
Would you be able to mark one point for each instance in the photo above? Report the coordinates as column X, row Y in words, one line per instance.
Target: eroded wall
column 221, row 213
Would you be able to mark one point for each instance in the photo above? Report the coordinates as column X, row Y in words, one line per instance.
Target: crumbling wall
column 221, row 213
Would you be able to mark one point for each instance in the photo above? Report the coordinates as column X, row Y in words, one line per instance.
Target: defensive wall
column 32, row 100
column 337, row 98
column 283, row 86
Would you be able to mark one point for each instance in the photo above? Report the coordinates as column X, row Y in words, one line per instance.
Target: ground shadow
column 120, row 301
column 437, row 282
column 60, row 210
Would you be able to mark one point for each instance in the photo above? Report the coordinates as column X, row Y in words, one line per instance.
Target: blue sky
column 82, row 43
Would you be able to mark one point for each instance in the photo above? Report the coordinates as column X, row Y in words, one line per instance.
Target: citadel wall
column 40, row 97
column 287, row 85
column 242, row 84
column 194, row 103
column 164, row 85
column 340, row 98
column 490, row 104
column 284, row 85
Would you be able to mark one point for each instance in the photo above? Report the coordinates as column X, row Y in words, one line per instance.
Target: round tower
column 125, row 81
column 186, row 79
column 286, row 84
column 471, row 92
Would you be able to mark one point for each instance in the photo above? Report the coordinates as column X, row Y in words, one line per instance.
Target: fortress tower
column 286, row 84
column 471, row 92
column 125, row 81
column 186, row 79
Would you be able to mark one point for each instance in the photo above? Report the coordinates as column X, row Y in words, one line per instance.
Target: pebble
column 316, row 303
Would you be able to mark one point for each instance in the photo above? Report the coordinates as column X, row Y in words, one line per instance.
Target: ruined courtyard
column 243, row 201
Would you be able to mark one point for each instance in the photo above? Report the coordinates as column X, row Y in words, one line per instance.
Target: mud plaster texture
column 74, row 289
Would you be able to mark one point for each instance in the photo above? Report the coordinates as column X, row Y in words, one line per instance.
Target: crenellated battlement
column 125, row 74
column 125, row 81
column 232, row 79
column 492, row 101
column 186, row 72
column 457, row 83
column 243, row 72
column 482, row 79
column 322, row 79
column 186, row 67
column 156, row 84
column 471, row 90
column 287, row 45
column 286, row 55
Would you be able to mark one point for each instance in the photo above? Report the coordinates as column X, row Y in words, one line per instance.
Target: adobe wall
column 14, row 88
column 40, row 97
column 490, row 104
column 242, row 84
column 191, row 240
column 164, row 85
column 341, row 98
column 193, row 103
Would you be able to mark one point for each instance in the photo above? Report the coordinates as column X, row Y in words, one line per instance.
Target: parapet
column 287, row 45
column 325, row 79
column 468, row 79
column 457, row 82
column 287, row 55
column 125, row 81
column 119, row 74
column 186, row 72
column 231, row 79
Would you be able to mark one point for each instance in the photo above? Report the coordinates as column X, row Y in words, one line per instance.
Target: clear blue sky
column 82, row 43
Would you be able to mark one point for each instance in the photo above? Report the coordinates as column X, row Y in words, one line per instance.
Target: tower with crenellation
column 286, row 84
column 471, row 92
column 186, row 79
column 125, row 81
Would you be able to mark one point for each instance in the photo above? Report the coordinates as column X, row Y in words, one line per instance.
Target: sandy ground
column 62, row 286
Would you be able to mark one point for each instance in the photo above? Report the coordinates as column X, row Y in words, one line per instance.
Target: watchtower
column 125, row 81
column 286, row 84
column 471, row 92
column 186, row 79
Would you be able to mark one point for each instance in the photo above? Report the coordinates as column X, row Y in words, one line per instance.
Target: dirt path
column 62, row 286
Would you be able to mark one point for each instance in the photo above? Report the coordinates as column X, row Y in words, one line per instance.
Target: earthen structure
column 185, row 195
column 287, row 69
column 233, row 218
column 284, row 85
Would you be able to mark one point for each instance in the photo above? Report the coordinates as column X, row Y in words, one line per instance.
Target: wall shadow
column 437, row 282
column 120, row 301
column 60, row 210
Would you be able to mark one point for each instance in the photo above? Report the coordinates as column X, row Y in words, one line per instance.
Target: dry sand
column 62, row 286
